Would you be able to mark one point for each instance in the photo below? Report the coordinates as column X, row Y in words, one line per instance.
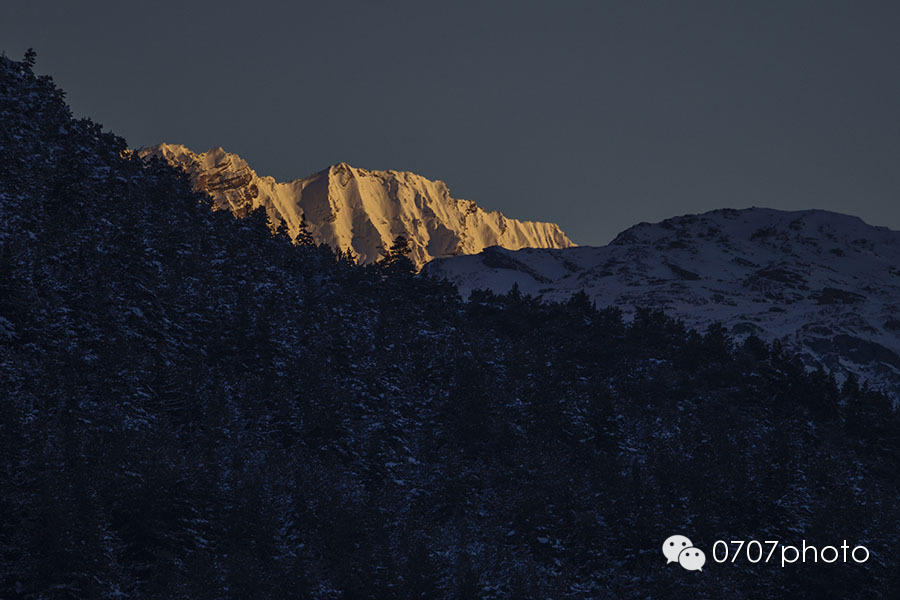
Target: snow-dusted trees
column 191, row 407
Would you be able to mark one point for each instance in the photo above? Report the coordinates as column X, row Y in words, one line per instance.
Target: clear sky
column 595, row 115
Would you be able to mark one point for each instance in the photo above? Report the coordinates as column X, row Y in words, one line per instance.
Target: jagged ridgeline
column 195, row 408
column 360, row 210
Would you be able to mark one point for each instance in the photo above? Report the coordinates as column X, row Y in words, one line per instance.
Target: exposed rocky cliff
column 359, row 209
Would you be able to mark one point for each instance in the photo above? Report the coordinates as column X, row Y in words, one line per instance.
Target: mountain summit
column 824, row 284
column 346, row 207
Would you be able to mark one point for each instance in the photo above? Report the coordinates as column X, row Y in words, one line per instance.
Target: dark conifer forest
column 195, row 407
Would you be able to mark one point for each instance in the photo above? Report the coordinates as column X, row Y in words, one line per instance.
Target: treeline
column 193, row 407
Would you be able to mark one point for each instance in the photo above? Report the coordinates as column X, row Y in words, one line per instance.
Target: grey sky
column 595, row 115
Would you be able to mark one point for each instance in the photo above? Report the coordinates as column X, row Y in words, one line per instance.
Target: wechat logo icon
column 678, row 548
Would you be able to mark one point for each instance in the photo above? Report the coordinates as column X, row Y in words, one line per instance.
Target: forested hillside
column 194, row 408
column 825, row 285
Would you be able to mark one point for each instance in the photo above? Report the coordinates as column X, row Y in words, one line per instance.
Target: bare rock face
column 826, row 285
column 362, row 210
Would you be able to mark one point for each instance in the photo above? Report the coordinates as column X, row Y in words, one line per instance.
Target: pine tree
column 304, row 236
column 399, row 248
column 395, row 259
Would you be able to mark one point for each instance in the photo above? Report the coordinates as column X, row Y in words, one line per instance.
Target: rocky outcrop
column 362, row 210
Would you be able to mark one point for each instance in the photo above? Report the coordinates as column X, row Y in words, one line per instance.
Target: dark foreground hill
column 193, row 408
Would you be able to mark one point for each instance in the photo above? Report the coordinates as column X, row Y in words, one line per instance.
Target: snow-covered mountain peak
column 363, row 210
column 823, row 283
column 765, row 225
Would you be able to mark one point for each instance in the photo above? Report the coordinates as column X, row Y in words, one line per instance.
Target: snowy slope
column 359, row 209
column 826, row 284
